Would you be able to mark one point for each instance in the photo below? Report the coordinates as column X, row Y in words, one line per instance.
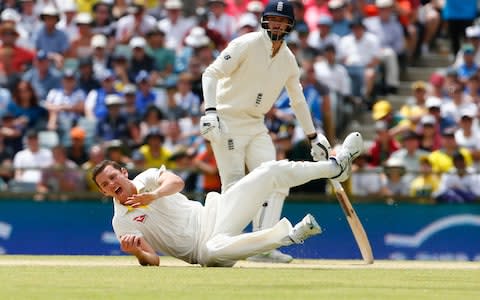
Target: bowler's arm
column 140, row 248
column 167, row 183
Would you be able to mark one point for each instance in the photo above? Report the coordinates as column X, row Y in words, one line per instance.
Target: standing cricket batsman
column 239, row 88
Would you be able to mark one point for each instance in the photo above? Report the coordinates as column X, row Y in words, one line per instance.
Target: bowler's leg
column 241, row 202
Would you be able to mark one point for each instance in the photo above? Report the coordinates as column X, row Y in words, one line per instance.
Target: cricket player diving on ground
column 151, row 215
column 239, row 88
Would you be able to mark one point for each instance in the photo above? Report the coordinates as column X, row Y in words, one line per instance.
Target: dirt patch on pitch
column 125, row 261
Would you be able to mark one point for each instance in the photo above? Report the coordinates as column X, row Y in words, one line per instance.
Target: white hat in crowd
column 472, row 31
column 197, row 38
column 114, row 99
column 173, row 4
column 98, row 41
column 383, row 3
column 137, row 42
column 83, row 18
column 255, row 6
column 433, row 101
column 336, row 4
column 248, row 19
column 10, row 14
column 69, row 6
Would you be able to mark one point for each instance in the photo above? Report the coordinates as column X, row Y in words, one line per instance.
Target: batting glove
column 210, row 126
column 321, row 148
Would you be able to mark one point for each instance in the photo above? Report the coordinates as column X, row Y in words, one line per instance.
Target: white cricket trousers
column 233, row 153
column 225, row 216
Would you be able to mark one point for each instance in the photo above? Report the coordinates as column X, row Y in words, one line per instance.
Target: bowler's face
column 115, row 183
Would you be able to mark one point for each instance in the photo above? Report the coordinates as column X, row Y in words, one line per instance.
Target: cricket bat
column 354, row 222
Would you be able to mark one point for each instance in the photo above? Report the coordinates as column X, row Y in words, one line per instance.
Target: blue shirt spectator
column 43, row 77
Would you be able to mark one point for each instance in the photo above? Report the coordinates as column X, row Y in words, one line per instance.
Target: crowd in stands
column 81, row 81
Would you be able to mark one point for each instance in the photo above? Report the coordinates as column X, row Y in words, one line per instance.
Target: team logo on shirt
column 227, row 57
column 140, row 219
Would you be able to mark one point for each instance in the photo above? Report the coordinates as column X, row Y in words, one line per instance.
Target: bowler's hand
column 131, row 243
column 137, row 200
column 210, row 126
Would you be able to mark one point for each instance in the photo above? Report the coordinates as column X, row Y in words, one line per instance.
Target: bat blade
column 354, row 222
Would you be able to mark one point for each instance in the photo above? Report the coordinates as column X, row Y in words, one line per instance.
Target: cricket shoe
column 304, row 229
column 274, row 256
column 351, row 148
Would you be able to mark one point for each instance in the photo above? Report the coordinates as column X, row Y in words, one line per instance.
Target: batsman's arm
column 354, row 222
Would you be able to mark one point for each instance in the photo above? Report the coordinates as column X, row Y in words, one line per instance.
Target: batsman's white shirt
column 250, row 81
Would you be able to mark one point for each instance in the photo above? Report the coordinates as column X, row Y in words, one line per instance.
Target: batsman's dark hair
column 101, row 166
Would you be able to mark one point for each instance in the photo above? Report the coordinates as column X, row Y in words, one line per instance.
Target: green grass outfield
column 113, row 277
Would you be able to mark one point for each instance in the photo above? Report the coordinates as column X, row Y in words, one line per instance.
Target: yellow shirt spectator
column 442, row 162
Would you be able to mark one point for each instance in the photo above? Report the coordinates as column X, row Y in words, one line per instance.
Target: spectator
column 146, row 96
column 130, row 107
column 360, row 52
column 202, row 15
column 409, row 154
column 12, row 17
column 29, row 162
column 426, row 184
column 247, row 23
column 100, row 56
column 175, row 25
column 42, row 76
column 467, row 134
column 11, row 133
column 340, row 23
column 116, row 151
column 442, row 159
column 86, row 78
column 322, row 35
column 437, row 85
column 392, row 41
column 77, row 151
column 151, row 120
column 115, row 125
column 29, row 21
column 205, row 163
column 219, row 20
column 434, row 105
column 382, row 111
column 164, row 58
column 95, row 107
column 451, row 109
column 103, row 21
column 472, row 92
column 61, row 176
column 298, row 43
column 80, row 43
column 458, row 15
column 383, row 145
column 414, row 107
column 67, row 21
column 314, row 9
column 6, row 161
column 22, row 57
column 459, row 185
column 135, row 23
column 366, row 180
column 96, row 154
column 430, row 133
column 155, row 153
column 396, row 183
column 469, row 67
column 65, row 105
column 49, row 38
column 140, row 60
column 182, row 158
column 5, row 100
column 195, row 42
column 26, row 108
column 473, row 38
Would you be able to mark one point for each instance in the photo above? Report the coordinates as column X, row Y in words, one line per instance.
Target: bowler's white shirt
column 170, row 224
column 250, row 81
